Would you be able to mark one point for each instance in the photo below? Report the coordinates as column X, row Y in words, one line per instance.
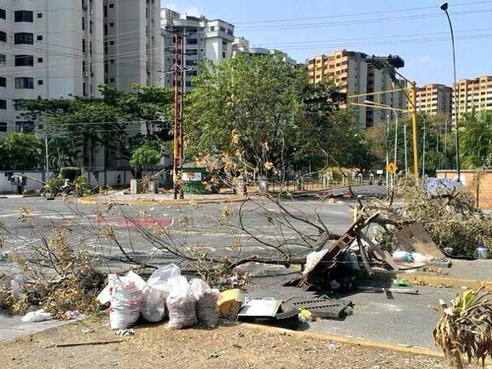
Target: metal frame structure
column 178, row 77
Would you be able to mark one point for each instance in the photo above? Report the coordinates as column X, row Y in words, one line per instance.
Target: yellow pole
column 413, row 103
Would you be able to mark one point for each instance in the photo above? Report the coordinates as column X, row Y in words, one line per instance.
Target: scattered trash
column 126, row 301
column 401, row 283
column 287, row 316
column 323, row 306
column 305, row 315
column 207, row 310
column 37, row 316
column 332, row 345
column 156, row 292
column 266, row 307
column 212, row 354
column 16, row 284
column 125, row 332
column 482, row 251
column 180, row 304
column 71, row 315
column 230, row 301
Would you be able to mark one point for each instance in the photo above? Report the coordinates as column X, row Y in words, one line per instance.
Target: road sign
column 391, row 167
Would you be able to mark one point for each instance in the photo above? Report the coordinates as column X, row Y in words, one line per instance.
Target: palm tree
column 465, row 328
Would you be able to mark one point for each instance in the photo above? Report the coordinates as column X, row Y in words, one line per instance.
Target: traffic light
column 382, row 62
column 396, row 61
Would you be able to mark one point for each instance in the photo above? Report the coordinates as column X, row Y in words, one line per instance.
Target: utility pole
column 178, row 115
column 413, row 103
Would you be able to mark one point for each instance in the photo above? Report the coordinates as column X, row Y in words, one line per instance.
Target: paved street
column 202, row 227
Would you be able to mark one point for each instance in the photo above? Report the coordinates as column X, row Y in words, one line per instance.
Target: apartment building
column 49, row 49
column 434, row 99
column 204, row 40
column 355, row 76
column 133, row 44
column 473, row 94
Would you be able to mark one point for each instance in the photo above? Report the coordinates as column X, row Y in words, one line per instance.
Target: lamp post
column 444, row 7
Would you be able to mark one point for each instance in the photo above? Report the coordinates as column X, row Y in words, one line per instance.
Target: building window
column 23, row 38
column 3, row 36
column 40, row 60
column 3, row 59
column 111, row 5
column 3, row 104
column 24, row 61
column 40, row 38
column 23, row 16
column 192, row 41
column 111, row 24
column 111, row 79
column 40, row 82
column 3, row 14
column 111, row 42
column 24, row 83
column 40, row 15
column 3, row 82
column 3, row 127
column 212, row 28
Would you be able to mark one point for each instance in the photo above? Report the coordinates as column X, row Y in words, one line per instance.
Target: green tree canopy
column 19, row 151
column 144, row 156
column 476, row 139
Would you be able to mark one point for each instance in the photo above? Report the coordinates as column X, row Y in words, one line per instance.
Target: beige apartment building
column 473, row 94
column 434, row 99
column 355, row 76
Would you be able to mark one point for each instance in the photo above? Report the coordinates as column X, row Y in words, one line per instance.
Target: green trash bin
column 193, row 179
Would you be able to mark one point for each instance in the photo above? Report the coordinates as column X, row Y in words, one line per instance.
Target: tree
column 143, row 157
column 19, row 151
column 77, row 129
column 247, row 107
column 475, row 139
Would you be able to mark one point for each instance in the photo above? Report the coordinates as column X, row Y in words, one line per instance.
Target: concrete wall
column 482, row 194
column 35, row 179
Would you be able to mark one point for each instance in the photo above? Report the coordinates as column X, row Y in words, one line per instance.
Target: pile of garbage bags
column 166, row 294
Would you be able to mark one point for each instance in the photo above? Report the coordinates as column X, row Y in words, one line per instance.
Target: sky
column 417, row 30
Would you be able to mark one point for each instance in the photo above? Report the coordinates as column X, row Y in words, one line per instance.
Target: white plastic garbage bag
column 126, row 301
column 157, row 291
column 207, row 310
column 37, row 316
column 180, row 304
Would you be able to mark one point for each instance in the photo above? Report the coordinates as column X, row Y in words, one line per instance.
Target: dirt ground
column 228, row 346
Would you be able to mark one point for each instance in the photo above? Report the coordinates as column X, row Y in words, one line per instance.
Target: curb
column 165, row 202
column 351, row 340
column 444, row 281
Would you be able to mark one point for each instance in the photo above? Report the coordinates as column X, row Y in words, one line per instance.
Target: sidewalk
column 12, row 326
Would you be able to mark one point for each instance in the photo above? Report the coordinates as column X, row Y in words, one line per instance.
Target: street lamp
column 444, row 7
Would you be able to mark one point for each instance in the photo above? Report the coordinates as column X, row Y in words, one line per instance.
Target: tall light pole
column 444, row 7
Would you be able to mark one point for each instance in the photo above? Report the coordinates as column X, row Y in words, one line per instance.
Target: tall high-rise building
column 133, row 44
column 434, row 99
column 355, row 76
column 473, row 94
column 49, row 49
column 204, row 39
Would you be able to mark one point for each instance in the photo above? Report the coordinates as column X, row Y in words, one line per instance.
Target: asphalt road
column 253, row 228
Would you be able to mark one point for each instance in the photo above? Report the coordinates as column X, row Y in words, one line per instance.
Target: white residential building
column 133, row 44
column 204, row 40
column 49, row 49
